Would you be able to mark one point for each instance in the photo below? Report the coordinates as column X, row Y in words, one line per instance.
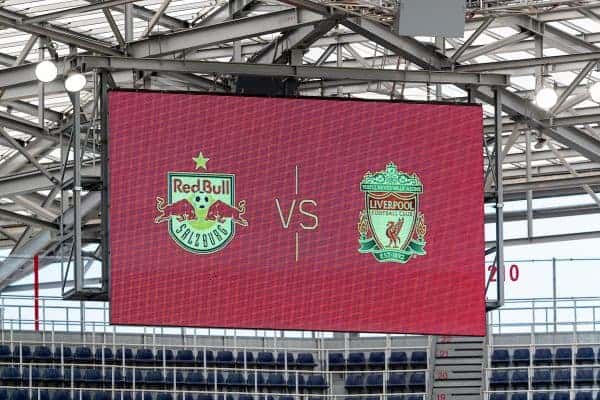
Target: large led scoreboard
column 296, row 213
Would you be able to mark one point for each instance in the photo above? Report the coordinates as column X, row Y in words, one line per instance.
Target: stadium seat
column 418, row 359
column 317, row 382
column 31, row 376
column 82, row 355
column 561, row 396
column 239, row 359
column 22, row 352
column 416, row 382
column 101, row 395
column 245, row 397
column 398, row 360
column 60, row 395
column 519, row 396
column 235, row 380
column 583, row 396
column 563, row 355
column 204, row 356
column 255, row 380
column 185, row 396
column 143, row 396
column 542, row 357
column 114, row 376
column 374, row 382
column 336, row 361
column 305, row 361
column 562, row 377
column 414, row 397
column 105, row 354
column 167, row 356
column 42, row 354
column 213, row 379
column 283, row 358
column 10, row 376
column 521, row 357
column 3, row 394
column 144, row 356
column 397, row 381
column 130, row 375
column 499, row 380
column 19, row 394
column 265, row 359
column 225, row 359
column 376, row 360
column 164, row 396
column 194, row 380
column 541, row 396
column 174, row 378
column 186, row 357
column 354, row 382
column 497, row 396
column 584, row 377
column 585, row 355
column 52, row 377
column 5, row 353
column 92, row 376
column 63, row 354
column 204, row 396
column 291, row 382
column 40, row 395
column 356, row 361
column 154, row 378
column 500, row 358
column 519, row 379
column 541, row 378
column 72, row 376
column 275, row 381
column 124, row 354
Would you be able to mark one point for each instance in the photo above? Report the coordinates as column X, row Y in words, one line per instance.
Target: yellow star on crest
column 200, row 161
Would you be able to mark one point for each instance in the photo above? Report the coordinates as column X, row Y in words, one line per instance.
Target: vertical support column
column 499, row 196
column 128, row 21
column 554, row 294
column 78, row 265
column 36, row 292
column 529, row 194
column 42, row 42
column 104, row 196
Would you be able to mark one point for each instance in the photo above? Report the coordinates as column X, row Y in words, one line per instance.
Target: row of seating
column 544, row 356
column 23, row 394
column 224, row 358
column 579, row 395
column 376, row 360
column 155, row 377
column 396, row 382
column 543, row 378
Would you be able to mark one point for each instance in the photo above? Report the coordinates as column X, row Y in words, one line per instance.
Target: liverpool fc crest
column 391, row 227
column 200, row 209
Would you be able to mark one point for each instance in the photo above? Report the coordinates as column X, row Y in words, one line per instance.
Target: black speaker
column 266, row 85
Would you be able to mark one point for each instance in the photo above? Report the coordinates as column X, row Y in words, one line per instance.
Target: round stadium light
column 46, row 71
column 75, row 82
column 546, row 98
column 595, row 92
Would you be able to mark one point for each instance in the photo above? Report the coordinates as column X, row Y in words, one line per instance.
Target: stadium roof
column 536, row 43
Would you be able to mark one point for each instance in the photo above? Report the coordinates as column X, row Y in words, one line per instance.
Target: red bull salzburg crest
column 391, row 227
column 200, row 209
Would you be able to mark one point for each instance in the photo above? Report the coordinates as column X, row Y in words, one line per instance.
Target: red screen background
column 255, row 281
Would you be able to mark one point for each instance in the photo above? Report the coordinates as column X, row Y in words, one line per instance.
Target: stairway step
column 461, row 368
column 460, row 361
column 445, row 352
column 460, row 383
column 460, row 339
column 443, row 373
column 455, row 391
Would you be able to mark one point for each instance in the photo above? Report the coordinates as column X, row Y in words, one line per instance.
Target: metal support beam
column 154, row 20
column 498, row 44
column 574, row 83
column 499, row 199
column 75, row 11
column 467, row 43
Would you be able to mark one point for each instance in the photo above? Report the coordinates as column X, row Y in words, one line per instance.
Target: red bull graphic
column 201, row 211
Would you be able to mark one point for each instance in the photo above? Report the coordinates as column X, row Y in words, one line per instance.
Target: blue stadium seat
column 19, row 394
column 541, row 378
column 541, row 396
column 376, row 360
column 245, row 397
column 60, row 395
column 154, row 378
column 562, row 377
column 34, row 374
column 42, row 354
column 374, row 382
column 500, row 358
column 356, row 361
column 265, row 359
column 317, row 382
column 418, row 359
column 414, row 397
column 519, row 396
column 114, row 376
column 23, row 352
column 92, row 376
column 171, row 379
column 52, row 377
column 291, row 382
column 354, row 382
column 255, row 380
column 101, row 395
column 184, row 396
column 521, row 357
column 583, row 396
column 166, row 355
column 336, row 361
column 5, row 353
column 584, row 377
column 40, row 395
column 239, row 359
column 143, row 396
column 186, row 357
column 10, row 376
column 203, row 356
column 519, row 379
column 282, row 358
column 585, row 355
column 416, row 382
column 130, row 375
column 563, row 355
column 105, row 354
column 72, row 376
column 286, row 397
column 275, row 381
column 561, row 396
column 145, row 356
column 83, row 354
column 127, row 354
column 397, row 381
column 398, row 360
column 497, row 396
column 3, row 394
column 194, row 379
column 225, row 359
column 212, row 379
column 542, row 357
column 499, row 379
column 305, row 361
column 164, row 396
column 65, row 354
column 235, row 380
column 203, row 396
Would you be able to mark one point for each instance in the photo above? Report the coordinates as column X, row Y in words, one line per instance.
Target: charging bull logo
column 200, row 209
column 391, row 227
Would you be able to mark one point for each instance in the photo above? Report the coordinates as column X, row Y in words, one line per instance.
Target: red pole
column 36, row 292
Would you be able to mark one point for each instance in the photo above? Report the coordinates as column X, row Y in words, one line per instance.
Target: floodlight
column 75, row 81
column 546, row 98
column 46, row 71
column 595, row 92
